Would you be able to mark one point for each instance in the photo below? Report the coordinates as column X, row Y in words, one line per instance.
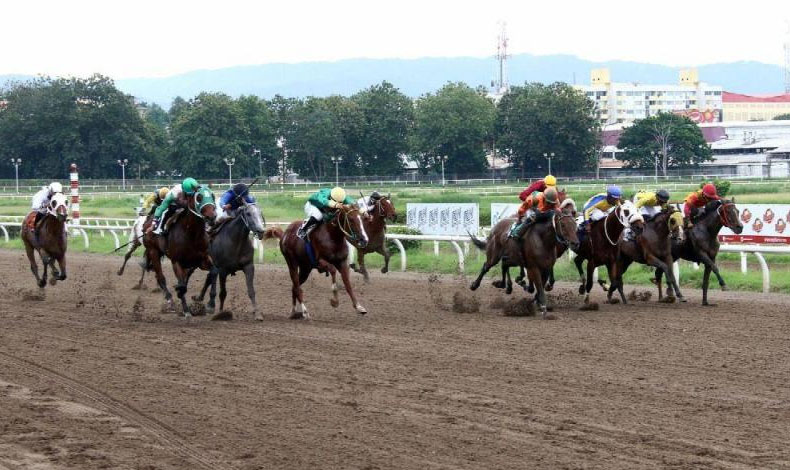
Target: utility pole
column 16, row 163
column 230, row 164
column 336, row 161
column 549, row 156
column 123, row 164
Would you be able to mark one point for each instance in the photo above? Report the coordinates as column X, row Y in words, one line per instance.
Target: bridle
column 561, row 239
column 721, row 210
column 606, row 224
column 345, row 226
column 243, row 216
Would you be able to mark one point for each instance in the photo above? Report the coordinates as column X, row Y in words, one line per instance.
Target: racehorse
column 652, row 247
column 599, row 246
column 329, row 254
column 51, row 241
column 186, row 243
column 536, row 251
column 231, row 250
column 500, row 248
column 701, row 244
column 376, row 229
column 135, row 241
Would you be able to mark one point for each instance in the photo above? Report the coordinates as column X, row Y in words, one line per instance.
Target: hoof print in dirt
column 498, row 303
column 590, row 307
column 33, row 295
column 465, row 303
column 519, row 308
column 224, row 315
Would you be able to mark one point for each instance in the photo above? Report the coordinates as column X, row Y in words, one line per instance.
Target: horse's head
column 58, row 207
column 567, row 206
column 253, row 219
column 349, row 219
column 565, row 226
column 637, row 223
column 386, row 208
column 729, row 216
column 675, row 224
column 204, row 205
column 626, row 210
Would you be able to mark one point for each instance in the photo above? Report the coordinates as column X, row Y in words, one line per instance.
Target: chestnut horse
column 652, row 247
column 376, row 229
column 701, row 243
column 186, row 243
column 51, row 242
column 330, row 253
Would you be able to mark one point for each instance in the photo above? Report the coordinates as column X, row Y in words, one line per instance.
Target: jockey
column 650, row 203
column 696, row 202
column 321, row 206
column 367, row 203
column 178, row 195
column 538, row 186
column 231, row 200
column 153, row 200
column 536, row 208
column 42, row 199
column 599, row 206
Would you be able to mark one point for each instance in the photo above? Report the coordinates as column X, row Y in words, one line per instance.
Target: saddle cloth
column 30, row 221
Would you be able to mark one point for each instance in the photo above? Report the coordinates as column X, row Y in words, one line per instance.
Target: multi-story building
column 627, row 102
column 738, row 107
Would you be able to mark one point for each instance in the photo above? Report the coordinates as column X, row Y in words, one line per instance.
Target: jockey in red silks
column 696, row 202
column 538, row 186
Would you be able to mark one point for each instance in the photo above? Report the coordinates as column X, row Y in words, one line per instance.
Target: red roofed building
column 738, row 107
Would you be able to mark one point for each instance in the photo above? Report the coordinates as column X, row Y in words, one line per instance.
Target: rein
column 606, row 225
column 723, row 213
column 562, row 241
column 347, row 231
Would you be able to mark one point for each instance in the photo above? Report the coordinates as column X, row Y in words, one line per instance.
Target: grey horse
column 231, row 250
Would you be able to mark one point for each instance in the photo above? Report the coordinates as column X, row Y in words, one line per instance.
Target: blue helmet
column 614, row 192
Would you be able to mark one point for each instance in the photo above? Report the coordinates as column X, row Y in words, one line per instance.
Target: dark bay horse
column 51, row 242
column 701, row 243
column 331, row 255
column 186, row 243
column 599, row 247
column 231, row 250
column 652, row 247
column 376, row 229
column 135, row 241
column 536, row 251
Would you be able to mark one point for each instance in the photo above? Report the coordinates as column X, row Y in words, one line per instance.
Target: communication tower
column 500, row 85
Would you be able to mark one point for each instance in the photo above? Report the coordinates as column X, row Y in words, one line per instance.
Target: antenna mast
column 501, row 84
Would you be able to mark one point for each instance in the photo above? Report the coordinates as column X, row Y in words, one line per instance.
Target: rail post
column 402, row 253
column 74, row 184
column 766, row 273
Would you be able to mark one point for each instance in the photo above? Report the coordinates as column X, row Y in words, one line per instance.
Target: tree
column 314, row 138
column 259, row 122
column 782, row 117
column 388, row 116
column 676, row 139
column 535, row 119
column 50, row 123
column 456, row 122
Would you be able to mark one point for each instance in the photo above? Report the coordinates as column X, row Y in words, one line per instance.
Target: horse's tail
column 478, row 243
column 274, row 232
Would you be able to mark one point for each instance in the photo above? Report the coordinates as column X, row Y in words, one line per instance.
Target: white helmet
column 56, row 188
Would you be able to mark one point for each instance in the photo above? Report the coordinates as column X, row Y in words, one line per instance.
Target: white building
column 627, row 102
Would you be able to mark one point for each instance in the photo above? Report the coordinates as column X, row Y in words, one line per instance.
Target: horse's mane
column 568, row 202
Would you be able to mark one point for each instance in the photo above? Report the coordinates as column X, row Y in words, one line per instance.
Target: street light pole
column 230, row 164
column 655, row 160
column 16, row 163
column 443, row 159
column 260, row 161
column 281, row 146
column 549, row 156
column 123, row 164
column 336, row 161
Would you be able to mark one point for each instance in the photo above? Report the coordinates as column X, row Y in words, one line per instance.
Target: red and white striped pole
column 74, row 179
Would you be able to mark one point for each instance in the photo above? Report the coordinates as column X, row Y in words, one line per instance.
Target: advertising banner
column 443, row 219
column 762, row 223
column 502, row 210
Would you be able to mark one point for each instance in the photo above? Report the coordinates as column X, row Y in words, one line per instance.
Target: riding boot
column 157, row 226
column 36, row 228
column 307, row 227
column 521, row 227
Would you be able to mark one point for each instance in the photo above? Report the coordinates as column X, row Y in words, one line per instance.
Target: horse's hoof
column 296, row 316
column 613, row 301
column 706, row 304
column 498, row 284
column 531, row 289
column 667, row 300
column 724, row 287
column 385, row 270
column 120, row 272
column 582, row 290
column 334, row 302
column 257, row 316
column 549, row 316
column 42, row 283
column 474, row 285
column 353, row 267
column 549, row 288
column 682, row 300
column 509, row 290
column 53, row 280
column 361, row 310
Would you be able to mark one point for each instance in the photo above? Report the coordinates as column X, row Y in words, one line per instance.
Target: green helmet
column 189, row 186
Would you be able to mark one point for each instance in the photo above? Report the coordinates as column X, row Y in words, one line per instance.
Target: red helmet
column 709, row 190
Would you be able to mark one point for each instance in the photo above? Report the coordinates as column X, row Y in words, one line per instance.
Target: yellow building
column 738, row 107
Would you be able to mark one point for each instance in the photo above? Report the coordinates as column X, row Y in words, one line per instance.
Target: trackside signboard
column 502, row 210
column 443, row 219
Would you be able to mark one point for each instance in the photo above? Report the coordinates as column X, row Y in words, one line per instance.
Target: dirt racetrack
column 90, row 377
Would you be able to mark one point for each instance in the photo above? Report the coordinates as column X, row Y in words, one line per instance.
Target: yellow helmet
column 550, row 180
column 162, row 192
column 338, row 194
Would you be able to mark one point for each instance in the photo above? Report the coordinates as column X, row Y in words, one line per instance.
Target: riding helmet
column 662, row 195
column 375, row 196
column 162, row 192
column 338, row 194
column 189, row 186
column 614, row 192
column 709, row 190
column 55, row 188
column 550, row 194
column 550, row 180
column 240, row 189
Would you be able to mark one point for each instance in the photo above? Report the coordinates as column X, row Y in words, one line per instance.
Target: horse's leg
column 249, row 276
column 659, row 274
column 705, row 283
column 206, row 285
column 45, row 262
column 362, row 268
column 711, row 264
column 182, row 276
column 509, row 283
column 128, row 255
column 335, row 300
column 386, row 254
column 587, row 283
column 344, row 273
column 156, row 264
column 670, row 263
column 142, row 276
column 537, row 279
column 579, row 261
column 31, row 256
column 298, row 309
column 550, row 281
column 652, row 260
column 500, row 284
column 223, row 291
column 476, row 283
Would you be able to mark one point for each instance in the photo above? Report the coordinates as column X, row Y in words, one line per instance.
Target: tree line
column 51, row 122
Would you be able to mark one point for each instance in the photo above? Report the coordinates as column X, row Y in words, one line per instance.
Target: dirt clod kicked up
column 464, row 302
column 519, row 308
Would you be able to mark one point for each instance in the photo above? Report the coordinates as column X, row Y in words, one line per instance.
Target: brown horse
column 330, row 251
column 186, row 243
column 376, row 229
column 536, row 251
column 701, row 243
column 652, row 247
column 599, row 247
column 135, row 241
column 499, row 247
column 51, row 241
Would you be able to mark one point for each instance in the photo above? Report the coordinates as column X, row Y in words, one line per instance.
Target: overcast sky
column 141, row 38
